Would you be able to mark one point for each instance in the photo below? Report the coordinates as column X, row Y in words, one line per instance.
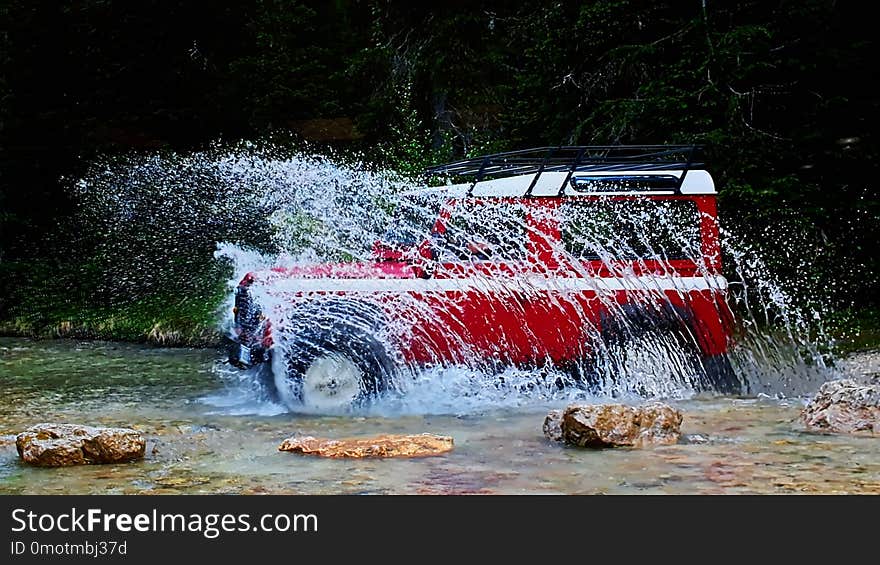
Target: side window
column 485, row 231
column 598, row 229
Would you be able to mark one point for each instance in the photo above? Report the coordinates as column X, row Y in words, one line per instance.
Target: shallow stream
column 209, row 433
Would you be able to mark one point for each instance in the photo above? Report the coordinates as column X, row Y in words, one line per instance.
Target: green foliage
column 854, row 330
column 783, row 95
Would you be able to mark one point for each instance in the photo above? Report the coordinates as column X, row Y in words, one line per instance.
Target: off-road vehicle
column 540, row 257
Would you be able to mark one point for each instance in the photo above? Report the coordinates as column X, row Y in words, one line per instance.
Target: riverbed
column 208, row 433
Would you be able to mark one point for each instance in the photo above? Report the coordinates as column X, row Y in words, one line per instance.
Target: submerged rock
column 553, row 425
column 615, row 425
column 844, row 406
column 418, row 445
column 63, row 445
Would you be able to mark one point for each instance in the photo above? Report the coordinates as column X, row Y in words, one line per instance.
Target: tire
column 333, row 361
column 720, row 376
column 637, row 325
column 265, row 379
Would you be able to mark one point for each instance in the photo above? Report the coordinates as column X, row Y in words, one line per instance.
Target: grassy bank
column 174, row 306
column 166, row 321
column 854, row 330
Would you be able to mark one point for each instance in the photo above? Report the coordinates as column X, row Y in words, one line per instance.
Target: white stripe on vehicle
column 503, row 284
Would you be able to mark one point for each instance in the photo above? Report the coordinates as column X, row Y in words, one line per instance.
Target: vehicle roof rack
column 570, row 159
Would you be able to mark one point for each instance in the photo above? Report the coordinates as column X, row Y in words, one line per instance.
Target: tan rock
column 553, row 425
column 62, row 445
column 844, row 406
column 418, row 445
column 613, row 425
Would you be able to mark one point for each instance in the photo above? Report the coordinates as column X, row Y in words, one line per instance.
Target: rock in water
column 844, row 407
column 419, row 445
column 615, row 425
column 553, row 425
column 63, row 445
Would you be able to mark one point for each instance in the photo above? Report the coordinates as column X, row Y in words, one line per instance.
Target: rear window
column 600, row 228
column 485, row 230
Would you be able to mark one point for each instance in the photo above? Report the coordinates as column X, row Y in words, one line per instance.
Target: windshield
column 485, row 230
column 413, row 219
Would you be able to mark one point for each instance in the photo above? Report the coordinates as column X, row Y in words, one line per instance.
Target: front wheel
column 333, row 370
column 333, row 381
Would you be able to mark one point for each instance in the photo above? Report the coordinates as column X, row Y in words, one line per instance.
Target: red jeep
column 542, row 257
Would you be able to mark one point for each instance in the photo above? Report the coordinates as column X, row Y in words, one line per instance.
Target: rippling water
column 209, row 433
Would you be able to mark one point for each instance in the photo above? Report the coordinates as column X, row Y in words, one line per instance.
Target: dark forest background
column 782, row 94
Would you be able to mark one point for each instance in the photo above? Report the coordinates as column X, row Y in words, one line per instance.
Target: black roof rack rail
column 570, row 159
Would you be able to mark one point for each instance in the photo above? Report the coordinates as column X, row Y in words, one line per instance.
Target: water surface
column 208, row 433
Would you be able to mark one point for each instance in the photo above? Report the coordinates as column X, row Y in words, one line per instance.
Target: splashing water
column 295, row 217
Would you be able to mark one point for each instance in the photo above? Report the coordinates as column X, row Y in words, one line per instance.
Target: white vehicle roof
column 695, row 182
column 548, row 184
column 580, row 170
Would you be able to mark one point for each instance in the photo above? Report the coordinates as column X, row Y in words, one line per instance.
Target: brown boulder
column 844, row 406
column 614, row 425
column 419, row 445
column 63, row 445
